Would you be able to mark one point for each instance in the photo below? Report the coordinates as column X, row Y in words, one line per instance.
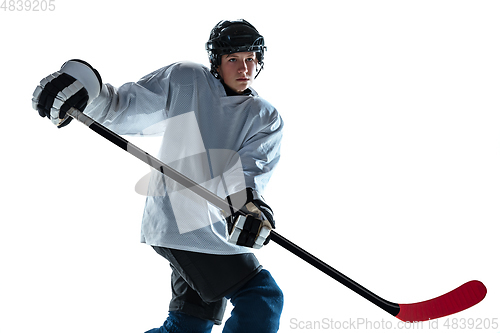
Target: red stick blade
column 457, row 300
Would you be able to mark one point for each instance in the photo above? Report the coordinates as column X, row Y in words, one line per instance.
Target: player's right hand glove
column 251, row 225
column 75, row 85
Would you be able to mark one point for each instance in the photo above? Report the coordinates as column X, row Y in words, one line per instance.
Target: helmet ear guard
column 231, row 37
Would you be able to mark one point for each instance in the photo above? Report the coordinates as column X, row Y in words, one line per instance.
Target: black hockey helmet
column 231, row 37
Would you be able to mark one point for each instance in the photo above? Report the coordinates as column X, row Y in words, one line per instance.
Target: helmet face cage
column 231, row 37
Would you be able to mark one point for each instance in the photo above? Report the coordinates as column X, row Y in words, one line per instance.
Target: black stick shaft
column 390, row 307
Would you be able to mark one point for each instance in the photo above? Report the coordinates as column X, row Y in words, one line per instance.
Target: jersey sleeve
column 135, row 108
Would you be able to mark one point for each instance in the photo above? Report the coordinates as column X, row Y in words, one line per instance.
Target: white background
column 389, row 172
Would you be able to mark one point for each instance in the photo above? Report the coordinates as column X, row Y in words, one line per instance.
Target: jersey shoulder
column 186, row 72
column 262, row 107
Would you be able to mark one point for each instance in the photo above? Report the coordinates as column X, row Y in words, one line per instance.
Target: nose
column 243, row 67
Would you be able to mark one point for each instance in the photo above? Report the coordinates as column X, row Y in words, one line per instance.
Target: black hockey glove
column 252, row 224
column 75, row 85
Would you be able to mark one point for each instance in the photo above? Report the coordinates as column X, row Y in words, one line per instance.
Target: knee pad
column 265, row 287
column 257, row 306
column 270, row 289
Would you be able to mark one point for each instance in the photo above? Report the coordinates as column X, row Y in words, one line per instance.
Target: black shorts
column 200, row 281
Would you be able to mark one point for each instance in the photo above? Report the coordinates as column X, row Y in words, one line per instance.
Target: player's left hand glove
column 252, row 224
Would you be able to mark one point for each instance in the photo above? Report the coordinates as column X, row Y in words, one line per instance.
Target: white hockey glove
column 76, row 84
column 252, row 228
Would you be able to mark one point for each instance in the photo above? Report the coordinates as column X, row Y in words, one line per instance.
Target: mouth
column 242, row 79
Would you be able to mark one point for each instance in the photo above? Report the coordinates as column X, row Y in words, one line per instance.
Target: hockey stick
column 455, row 301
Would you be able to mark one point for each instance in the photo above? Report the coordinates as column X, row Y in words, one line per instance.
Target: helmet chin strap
column 261, row 67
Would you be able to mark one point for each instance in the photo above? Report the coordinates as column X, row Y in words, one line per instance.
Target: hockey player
column 217, row 131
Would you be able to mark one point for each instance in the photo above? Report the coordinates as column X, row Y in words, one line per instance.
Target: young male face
column 238, row 70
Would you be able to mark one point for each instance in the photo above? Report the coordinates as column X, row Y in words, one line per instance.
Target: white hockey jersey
column 225, row 143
